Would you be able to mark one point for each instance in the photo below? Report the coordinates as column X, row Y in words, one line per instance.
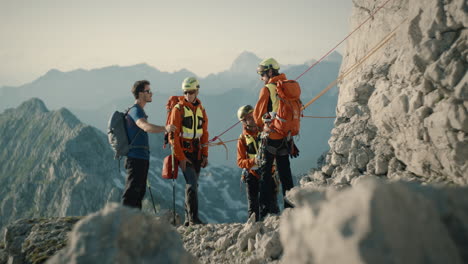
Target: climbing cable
column 339, row 43
column 352, row 68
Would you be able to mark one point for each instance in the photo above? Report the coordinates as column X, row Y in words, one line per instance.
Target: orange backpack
column 168, row 172
column 171, row 103
column 288, row 115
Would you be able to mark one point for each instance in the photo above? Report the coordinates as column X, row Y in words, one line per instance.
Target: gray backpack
column 117, row 134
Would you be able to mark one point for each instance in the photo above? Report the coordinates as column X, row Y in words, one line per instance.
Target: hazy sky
column 203, row 36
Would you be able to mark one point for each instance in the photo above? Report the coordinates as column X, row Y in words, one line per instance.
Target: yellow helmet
column 267, row 64
column 243, row 111
column 190, row 83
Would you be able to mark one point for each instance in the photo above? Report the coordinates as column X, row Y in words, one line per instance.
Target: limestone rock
column 373, row 222
column 120, row 234
column 409, row 100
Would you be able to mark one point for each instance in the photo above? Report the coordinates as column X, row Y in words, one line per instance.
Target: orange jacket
column 243, row 160
column 175, row 118
column 262, row 105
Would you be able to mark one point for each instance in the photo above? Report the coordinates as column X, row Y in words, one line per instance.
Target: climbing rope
column 332, row 84
column 379, row 45
column 352, row 68
column 217, row 137
column 320, row 116
column 339, row 43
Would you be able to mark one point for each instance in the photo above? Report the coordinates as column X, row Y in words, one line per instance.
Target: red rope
column 216, row 137
column 324, row 56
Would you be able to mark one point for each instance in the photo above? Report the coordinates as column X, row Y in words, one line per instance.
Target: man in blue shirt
column 137, row 162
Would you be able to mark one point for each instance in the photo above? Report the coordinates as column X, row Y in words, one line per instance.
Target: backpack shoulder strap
column 273, row 95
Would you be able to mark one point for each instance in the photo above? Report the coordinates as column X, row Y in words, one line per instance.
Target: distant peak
column 33, row 105
column 246, row 61
column 53, row 71
column 335, row 56
column 142, row 65
column 247, row 55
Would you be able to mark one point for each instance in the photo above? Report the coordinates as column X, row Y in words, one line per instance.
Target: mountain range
column 92, row 95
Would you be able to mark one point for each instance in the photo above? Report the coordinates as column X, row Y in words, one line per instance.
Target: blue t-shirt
column 135, row 113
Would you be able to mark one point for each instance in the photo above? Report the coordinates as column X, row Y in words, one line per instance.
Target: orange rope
column 320, row 116
column 352, row 68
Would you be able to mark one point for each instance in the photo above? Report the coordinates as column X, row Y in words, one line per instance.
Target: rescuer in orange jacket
column 274, row 146
column 190, row 144
column 247, row 149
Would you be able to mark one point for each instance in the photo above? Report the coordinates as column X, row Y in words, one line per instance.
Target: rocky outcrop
column 403, row 113
column 118, row 234
column 373, row 222
column 122, row 235
column 36, row 240
column 370, row 222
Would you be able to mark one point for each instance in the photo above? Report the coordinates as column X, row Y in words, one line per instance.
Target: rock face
column 36, row 240
column 52, row 164
column 403, row 113
column 374, row 222
column 119, row 234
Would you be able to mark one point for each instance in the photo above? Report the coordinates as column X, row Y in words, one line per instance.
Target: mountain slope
column 52, row 164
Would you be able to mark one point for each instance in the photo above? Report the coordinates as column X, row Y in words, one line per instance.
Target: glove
column 244, row 175
column 293, row 150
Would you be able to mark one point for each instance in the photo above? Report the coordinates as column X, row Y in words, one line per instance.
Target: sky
column 203, row 36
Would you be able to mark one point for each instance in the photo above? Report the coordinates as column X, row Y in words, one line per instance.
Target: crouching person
column 247, row 148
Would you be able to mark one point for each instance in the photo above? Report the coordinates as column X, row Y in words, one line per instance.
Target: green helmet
column 190, row 83
column 243, row 111
column 267, row 64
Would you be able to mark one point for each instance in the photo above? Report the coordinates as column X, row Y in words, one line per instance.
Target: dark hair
column 274, row 72
column 138, row 87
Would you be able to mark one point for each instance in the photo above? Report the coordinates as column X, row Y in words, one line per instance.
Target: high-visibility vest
column 192, row 123
column 252, row 145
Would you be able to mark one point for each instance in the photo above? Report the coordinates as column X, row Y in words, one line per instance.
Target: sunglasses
column 147, row 91
column 190, row 92
column 261, row 73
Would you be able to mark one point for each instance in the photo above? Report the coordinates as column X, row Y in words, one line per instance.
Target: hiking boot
column 197, row 221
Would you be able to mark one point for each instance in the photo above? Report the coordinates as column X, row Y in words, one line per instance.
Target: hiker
column 276, row 143
column 137, row 161
column 247, row 147
column 190, row 144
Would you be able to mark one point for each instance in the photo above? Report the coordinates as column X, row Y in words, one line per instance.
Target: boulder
column 119, row 234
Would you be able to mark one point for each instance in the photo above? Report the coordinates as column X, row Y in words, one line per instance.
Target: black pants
column 267, row 183
column 252, row 195
column 252, row 186
column 135, row 186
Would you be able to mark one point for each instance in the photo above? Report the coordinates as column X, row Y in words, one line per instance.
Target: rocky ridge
column 372, row 222
column 52, row 164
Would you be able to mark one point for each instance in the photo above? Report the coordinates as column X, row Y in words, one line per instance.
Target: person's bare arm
column 151, row 128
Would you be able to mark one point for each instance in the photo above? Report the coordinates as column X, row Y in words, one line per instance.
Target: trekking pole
column 151, row 194
column 173, row 180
